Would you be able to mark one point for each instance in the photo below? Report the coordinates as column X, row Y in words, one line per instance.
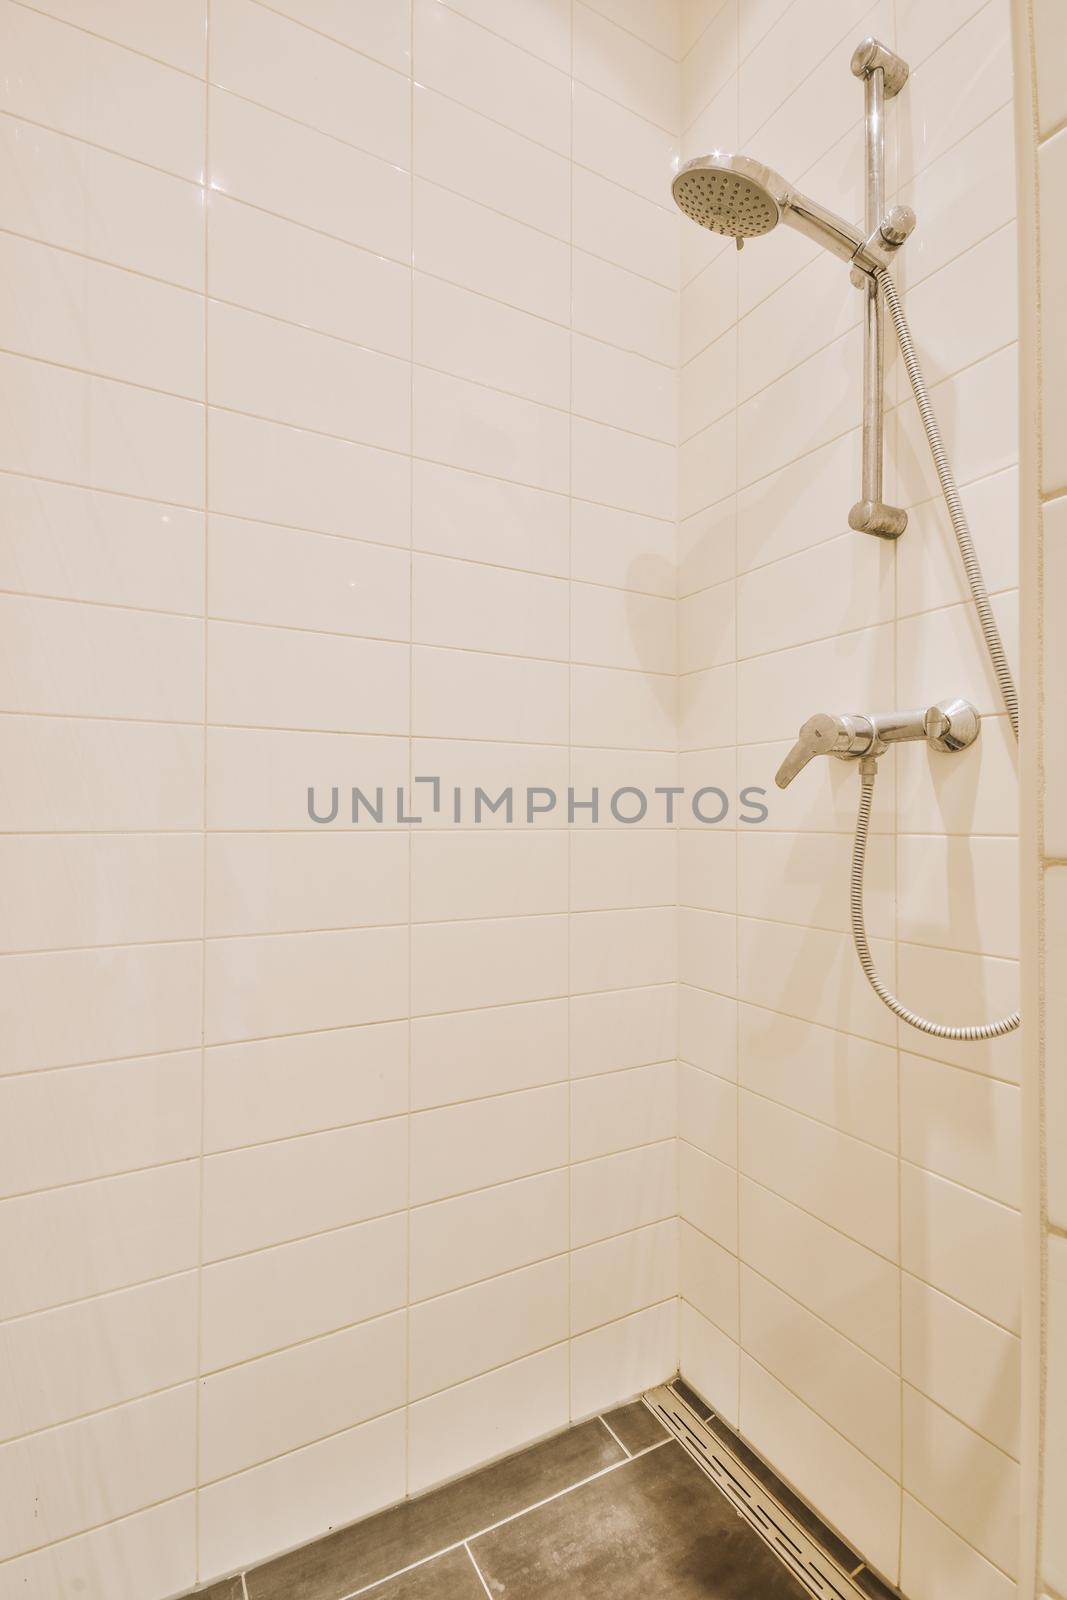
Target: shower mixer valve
column 948, row 725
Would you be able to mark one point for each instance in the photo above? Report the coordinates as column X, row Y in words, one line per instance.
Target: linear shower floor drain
column 823, row 1564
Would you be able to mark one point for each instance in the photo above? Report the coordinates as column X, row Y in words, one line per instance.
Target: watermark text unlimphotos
column 431, row 800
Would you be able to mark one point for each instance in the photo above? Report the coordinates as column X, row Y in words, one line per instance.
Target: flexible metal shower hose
column 991, row 634
column 971, row 563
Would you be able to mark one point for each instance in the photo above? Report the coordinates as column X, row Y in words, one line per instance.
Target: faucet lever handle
column 825, row 735
column 817, row 737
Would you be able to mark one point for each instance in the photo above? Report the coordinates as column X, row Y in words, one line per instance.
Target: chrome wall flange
column 952, row 724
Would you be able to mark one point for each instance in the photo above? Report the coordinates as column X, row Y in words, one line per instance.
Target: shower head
column 733, row 195
column 742, row 198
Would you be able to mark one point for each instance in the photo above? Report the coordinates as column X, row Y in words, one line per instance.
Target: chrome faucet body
column 946, row 725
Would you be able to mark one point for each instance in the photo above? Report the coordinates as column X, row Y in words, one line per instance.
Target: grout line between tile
column 331, row 38
column 478, row 1570
column 409, row 1358
column 615, row 1436
column 675, row 61
column 203, row 865
column 737, row 874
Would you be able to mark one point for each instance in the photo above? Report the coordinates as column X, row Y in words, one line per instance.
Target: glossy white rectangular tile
column 285, row 167
column 863, row 1501
column 460, row 149
column 78, row 544
column 282, row 1296
column 290, row 678
column 941, row 1456
column 462, row 424
column 545, row 32
column 845, row 1386
column 961, row 1243
column 483, row 250
column 77, row 83
column 105, row 1235
column 624, row 228
column 512, row 1404
column 625, row 1357
column 843, row 1282
column 625, row 1028
column 964, row 1363
column 610, row 59
column 622, row 1110
column 278, row 1088
column 457, row 966
column 95, row 1121
column 118, row 1001
column 274, row 62
column 271, row 369
column 618, row 1276
column 474, row 1330
column 618, row 1193
column 63, row 192
column 496, row 1230
column 270, row 1406
column 291, row 1189
column 72, row 312
column 269, row 472
column 61, row 1364
column 468, row 1055
column 151, row 1550
column 64, row 1481
column 303, row 1494
column 473, row 607
column 266, row 263
column 379, row 28
column 293, row 982
column 81, row 429
column 479, row 70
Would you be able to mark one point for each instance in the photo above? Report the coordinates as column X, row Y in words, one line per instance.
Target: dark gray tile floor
column 657, row 1526
column 612, row 1508
column 335, row 1567
column 452, row 1576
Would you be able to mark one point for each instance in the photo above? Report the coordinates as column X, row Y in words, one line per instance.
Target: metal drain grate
column 810, row 1563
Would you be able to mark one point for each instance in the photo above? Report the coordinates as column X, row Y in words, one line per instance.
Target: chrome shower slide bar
column 884, row 75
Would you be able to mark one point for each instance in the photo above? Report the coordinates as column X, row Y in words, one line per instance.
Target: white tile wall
column 341, row 375
column 873, row 1199
column 353, row 407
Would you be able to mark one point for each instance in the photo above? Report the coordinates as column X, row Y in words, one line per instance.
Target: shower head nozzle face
column 728, row 194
